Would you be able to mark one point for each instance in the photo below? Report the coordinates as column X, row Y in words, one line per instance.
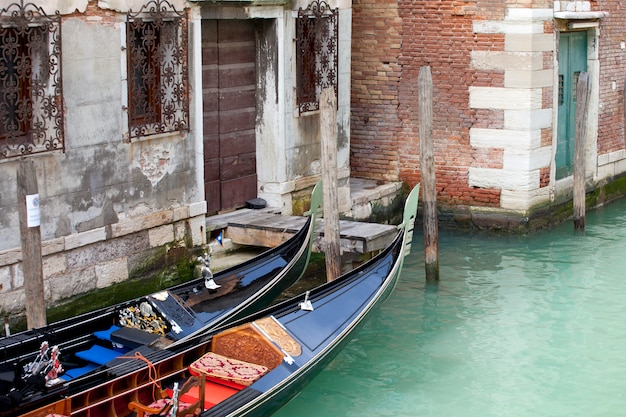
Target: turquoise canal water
column 518, row 326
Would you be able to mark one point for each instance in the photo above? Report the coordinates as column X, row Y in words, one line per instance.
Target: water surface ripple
column 518, row 326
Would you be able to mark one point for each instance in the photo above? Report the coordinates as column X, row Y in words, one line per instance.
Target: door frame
column 563, row 187
column 572, row 60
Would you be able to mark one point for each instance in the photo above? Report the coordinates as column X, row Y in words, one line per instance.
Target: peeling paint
column 124, row 6
column 155, row 162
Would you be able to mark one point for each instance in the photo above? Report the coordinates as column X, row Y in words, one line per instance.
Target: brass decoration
column 143, row 318
column 279, row 336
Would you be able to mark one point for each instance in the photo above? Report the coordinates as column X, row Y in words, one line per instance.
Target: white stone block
column 505, row 98
column 13, row 302
column 344, row 202
column 78, row 240
column 491, row 26
column 197, row 226
column 528, row 119
column 141, row 223
column 527, row 160
column 112, row 272
column 54, row 264
column 503, row 179
column 500, row 60
column 523, row 199
column 197, row 209
column 68, row 285
column 6, row 284
column 534, row 42
column 528, row 79
column 49, row 247
column 616, row 156
column 63, row 6
column 18, row 275
column 278, row 187
column 525, row 14
column 161, row 235
column 505, row 138
column 11, row 256
column 620, row 167
column 182, row 213
column 180, row 231
column 605, row 171
column 362, row 211
column 603, row 159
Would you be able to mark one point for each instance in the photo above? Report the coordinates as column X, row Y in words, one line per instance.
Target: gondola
column 42, row 364
column 252, row 366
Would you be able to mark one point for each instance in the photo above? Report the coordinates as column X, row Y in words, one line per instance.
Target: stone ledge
column 57, row 245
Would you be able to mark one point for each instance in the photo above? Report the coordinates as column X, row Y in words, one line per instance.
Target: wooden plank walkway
column 268, row 229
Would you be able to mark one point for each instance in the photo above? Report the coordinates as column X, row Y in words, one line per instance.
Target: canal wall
column 87, row 261
column 540, row 216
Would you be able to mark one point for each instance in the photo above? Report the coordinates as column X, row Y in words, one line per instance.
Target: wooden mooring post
column 582, row 97
column 427, row 168
column 328, row 132
column 30, row 237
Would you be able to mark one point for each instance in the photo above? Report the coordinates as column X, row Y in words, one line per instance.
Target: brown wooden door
column 229, row 112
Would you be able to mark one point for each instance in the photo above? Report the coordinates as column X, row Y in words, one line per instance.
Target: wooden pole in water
column 30, row 236
column 429, row 181
column 582, row 97
column 328, row 132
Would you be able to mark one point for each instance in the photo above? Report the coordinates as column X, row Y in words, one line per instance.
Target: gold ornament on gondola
column 143, row 318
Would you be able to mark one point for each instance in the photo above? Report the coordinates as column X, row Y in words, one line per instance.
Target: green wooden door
column 572, row 61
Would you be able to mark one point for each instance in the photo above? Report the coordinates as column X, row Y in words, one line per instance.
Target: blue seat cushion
column 106, row 334
column 76, row 372
column 98, row 354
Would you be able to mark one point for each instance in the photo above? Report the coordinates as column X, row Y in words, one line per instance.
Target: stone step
column 261, row 228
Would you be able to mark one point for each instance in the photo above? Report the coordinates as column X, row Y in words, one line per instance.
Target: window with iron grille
column 158, row 83
column 31, row 111
column 316, row 54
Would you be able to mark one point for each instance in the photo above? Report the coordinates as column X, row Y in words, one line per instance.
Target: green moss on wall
column 160, row 268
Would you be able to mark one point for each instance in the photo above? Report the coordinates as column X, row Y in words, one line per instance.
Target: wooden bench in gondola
column 243, row 354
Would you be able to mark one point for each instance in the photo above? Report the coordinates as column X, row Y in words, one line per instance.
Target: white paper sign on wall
column 32, row 210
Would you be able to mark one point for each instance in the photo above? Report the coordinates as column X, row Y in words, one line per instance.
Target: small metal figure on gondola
column 209, row 283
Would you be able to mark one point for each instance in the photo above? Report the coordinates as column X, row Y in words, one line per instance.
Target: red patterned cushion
column 159, row 404
column 228, row 369
column 55, row 415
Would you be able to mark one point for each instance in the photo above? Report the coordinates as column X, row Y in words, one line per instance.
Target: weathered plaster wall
column 107, row 205
column 291, row 142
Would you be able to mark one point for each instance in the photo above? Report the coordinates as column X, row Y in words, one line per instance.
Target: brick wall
column 440, row 35
column 376, row 72
column 384, row 91
column 612, row 58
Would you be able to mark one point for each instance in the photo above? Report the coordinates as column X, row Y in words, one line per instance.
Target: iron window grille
column 158, row 79
column 31, row 90
column 317, row 35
